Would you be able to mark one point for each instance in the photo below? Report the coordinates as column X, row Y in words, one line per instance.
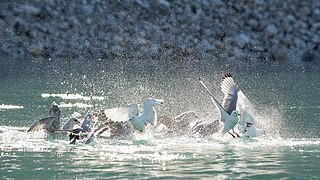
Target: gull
column 131, row 113
column 206, row 127
column 228, row 113
column 180, row 124
column 84, row 132
column 86, row 124
column 52, row 123
column 246, row 110
column 116, row 129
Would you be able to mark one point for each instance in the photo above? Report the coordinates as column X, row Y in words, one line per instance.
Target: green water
column 287, row 104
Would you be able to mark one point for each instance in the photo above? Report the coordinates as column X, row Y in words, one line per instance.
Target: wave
column 73, row 96
column 9, row 106
column 78, row 105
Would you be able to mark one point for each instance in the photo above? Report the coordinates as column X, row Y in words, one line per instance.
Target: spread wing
column 187, row 117
column 223, row 113
column 42, row 124
column 229, row 89
column 246, row 109
column 206, row 128
column 87, row 122
column 119, row 114
column 102, row 128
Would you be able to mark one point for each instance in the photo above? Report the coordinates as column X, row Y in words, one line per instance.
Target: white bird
column 83, row 133
column 131, row 113
column 246, row 110
column 228, row 112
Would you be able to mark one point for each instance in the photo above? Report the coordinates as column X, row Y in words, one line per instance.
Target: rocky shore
column 158, row 32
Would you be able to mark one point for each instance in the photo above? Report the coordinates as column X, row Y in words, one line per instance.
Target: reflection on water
column 27, row 155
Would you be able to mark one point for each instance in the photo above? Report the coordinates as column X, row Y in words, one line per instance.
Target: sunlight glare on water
column 290, row 120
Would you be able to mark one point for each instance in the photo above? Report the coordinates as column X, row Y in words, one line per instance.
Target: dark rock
column 143, row 3
column 300, row 43
column 87, row 9
column 162, row 6
column 310, row 55
column 2, row 26
column 30, row 10
column 287, row 40
column 164, row 30
column 316, row 14
column 271, row 30
column 279, row 54
column 242, row 39
column 20, row 27
column 304, row 11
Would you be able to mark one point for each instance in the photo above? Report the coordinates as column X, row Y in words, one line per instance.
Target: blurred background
column 38, row 37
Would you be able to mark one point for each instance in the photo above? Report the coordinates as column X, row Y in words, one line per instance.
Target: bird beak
column 159, row 101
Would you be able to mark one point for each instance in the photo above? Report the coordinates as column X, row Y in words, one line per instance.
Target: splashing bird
column 228, row 113
column 131, row 113
column 246, row 109
column 83, row 133
column 52, row 123
column 179, row 125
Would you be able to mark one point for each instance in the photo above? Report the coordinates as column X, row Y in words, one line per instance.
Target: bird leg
column 236, row 133
column 231, row 134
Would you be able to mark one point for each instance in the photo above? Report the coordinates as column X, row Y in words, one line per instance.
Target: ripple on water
column 154, row 156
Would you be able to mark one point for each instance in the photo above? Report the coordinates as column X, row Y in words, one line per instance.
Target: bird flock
column 236, row 119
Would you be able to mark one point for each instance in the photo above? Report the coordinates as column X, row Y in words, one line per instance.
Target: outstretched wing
column 246, row 109
column 206, row 128
column 119, row 114
column 223, row 113
column 87, row 122
column 42, row 124
column 102, row 128
column 229, row 89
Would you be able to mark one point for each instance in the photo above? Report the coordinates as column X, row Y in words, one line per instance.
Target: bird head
column 54, row 110
column 235, row 113
column 75, row 121
column 153, row 102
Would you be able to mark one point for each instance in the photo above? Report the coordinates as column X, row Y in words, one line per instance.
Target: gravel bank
column 159, row 32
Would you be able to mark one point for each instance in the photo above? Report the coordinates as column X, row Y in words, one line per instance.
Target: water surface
column 287, row 108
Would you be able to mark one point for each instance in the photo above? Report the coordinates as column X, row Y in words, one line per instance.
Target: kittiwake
column 228, row 113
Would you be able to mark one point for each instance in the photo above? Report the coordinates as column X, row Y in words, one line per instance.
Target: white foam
column 73, row 96
column 78, row 105
column 4, row 106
